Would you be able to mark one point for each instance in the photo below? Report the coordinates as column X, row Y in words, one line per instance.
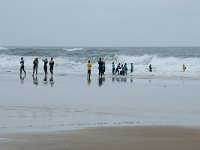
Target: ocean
column 166, row 61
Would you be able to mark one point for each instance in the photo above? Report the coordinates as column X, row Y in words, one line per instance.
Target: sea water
column 167, row 62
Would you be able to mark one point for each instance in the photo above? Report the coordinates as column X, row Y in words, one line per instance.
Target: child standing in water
column 22, row 66
column 89, row 66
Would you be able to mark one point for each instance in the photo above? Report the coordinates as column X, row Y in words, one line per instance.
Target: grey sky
column 100, row 22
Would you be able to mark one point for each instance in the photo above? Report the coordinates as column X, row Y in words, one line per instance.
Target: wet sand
column 109, row 138
column 34, row 112
column 70, row 102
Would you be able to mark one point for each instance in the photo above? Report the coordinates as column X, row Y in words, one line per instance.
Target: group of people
column 120, row 69
column 102, row 68
column 35, row 66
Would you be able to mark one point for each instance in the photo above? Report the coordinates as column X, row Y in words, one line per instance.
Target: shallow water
column 72, row 102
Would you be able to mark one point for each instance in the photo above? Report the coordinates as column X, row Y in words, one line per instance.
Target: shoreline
column 106, row 138
column 134, row 75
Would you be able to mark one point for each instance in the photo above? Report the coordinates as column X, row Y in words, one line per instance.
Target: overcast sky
column 100, row 22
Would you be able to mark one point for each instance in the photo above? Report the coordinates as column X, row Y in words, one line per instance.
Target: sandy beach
column 116, row 138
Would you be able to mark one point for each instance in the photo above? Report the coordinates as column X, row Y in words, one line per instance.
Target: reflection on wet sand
column 101, row 80
column 51, row 81
column 88, row 82
column 124, row 80
column 119, row 79
column 35, row 80
column 22, row 77
column 45, row 79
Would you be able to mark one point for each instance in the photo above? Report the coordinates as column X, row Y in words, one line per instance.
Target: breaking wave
column 72, row 49
column 162, row 66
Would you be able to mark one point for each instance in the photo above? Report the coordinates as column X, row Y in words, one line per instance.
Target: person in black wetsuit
column 35, row 66
column 45, row 65
column 51, row 64
column 150, row 68
column 131, row 67
column 22, row 66
column 100, row 68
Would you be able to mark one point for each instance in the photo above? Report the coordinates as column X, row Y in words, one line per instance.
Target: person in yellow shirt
column 89, row 66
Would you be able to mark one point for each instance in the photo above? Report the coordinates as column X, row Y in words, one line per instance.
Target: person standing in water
column 184, row 67
column 117, row 69
column 131, row 67
column 150, row 68
column 35, row 66
column 113, row 68
column 45, row 65
column 125, row 69
column 100, row 68
column 51, row 64
column 104, row 67
column 89, row 66
column 22, row 66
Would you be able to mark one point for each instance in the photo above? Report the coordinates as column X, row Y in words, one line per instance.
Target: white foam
column 2, row 48
column 164, row 67
column 72, row 49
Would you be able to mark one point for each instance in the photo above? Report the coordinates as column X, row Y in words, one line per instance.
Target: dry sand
column 109, row 138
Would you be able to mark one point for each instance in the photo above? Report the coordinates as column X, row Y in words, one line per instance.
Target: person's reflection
column 131, row 80
column 22, row 77
column 113, row 79
column 125, row 80
column 101, row 80
column 45, row 79
column 51, row 81
column 35, row 80
column 89, row 82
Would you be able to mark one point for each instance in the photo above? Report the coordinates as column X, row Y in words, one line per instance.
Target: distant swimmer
column 150, row 68
column 35, row 66
column 51, row 64
column 45, row 65
column 131, row 67
column 113, row 68
column 89, row 67
column 184, row 68
column 22, row 66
